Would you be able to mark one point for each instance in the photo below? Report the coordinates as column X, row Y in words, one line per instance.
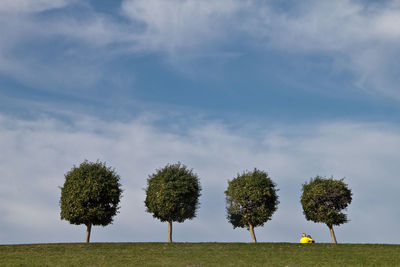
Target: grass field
column 199, row 254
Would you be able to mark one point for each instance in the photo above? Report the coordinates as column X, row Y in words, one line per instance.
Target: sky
column 294, row 88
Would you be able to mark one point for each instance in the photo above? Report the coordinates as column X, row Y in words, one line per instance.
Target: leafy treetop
column 172, row 193
column 251, row 199
column 90, row 195
column 323, row 199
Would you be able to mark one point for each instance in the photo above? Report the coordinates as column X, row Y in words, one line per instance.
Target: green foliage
column 323, row 199
column 90, row 195
column 172, row 193
column 251, row 199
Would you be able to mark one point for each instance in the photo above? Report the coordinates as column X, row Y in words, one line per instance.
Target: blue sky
column 293, row 88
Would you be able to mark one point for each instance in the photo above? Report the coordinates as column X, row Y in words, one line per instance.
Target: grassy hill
column 199, row 254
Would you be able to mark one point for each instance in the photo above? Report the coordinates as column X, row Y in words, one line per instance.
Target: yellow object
column 304, row 240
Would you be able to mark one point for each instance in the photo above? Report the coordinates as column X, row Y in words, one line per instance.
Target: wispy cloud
column 359, row 37
column 364, row 35
column 29, row 6
column 177, row 25
column 36, row 154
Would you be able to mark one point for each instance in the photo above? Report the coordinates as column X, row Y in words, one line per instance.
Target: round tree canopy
column 251, row 199
column 172, row 193
column 323, row 200
column 90, row 195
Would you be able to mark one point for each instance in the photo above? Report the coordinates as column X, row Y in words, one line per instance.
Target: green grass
column 199, row 254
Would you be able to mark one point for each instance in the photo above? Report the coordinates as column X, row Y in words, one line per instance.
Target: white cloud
column 26, row 6
column 366, row 36
column 36, row 154
column 361, row 38
column 179, row 24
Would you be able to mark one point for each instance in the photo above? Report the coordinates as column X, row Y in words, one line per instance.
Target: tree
column 323, row 199
column 90, row 195
column 251, row 200
column 172, row 195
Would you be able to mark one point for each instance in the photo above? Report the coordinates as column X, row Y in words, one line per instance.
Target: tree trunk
column 332, row 235
column 253, row 236
column 88, row 230
column 170, row 232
